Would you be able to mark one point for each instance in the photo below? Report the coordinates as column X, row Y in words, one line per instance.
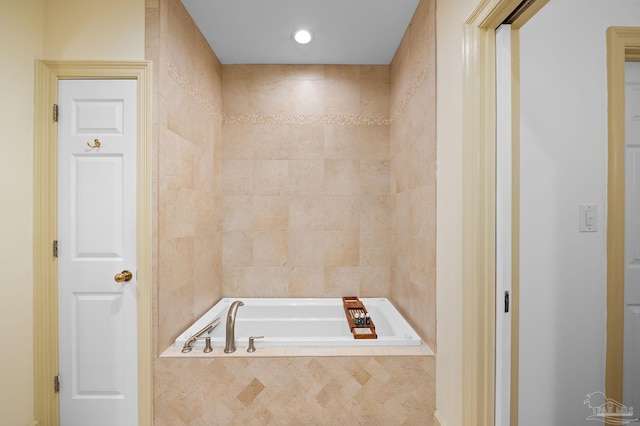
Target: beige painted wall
column 554, row 182
column 64, row 30
column 19, row 20
column 94, row 29
column 450, row 16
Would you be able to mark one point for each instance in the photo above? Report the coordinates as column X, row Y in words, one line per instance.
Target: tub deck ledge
column 320, row 351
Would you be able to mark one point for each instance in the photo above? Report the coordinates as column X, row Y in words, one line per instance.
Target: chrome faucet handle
column 207, row 345
column 252, row 347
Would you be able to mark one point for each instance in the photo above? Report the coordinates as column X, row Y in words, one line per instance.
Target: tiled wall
column 187, row 169
column 413, row 173
column 305, row 184
column 295, row 391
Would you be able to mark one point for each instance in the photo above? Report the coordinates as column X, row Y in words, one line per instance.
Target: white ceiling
column 345, row 31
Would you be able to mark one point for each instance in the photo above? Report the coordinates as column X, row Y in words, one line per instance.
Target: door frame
column 479, row 213
column 623, row 44
column 45, row 285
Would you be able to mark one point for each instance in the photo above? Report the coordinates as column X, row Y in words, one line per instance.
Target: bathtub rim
column 403, row 332
column 304, row 351
column 421, row 349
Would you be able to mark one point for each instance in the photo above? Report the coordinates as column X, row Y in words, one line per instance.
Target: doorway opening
column 48, row 73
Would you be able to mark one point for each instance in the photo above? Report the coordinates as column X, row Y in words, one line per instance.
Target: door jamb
column 623, row 44
column 45, row 286
column 478, row 222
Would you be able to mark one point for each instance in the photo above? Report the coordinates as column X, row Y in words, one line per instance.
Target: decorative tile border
column 309, row 120
column 184, row 82
column 402, row 105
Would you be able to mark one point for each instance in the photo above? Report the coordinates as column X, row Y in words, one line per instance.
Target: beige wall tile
column 294, row 391
column 236, row 281
column 374, row 177
column 238, row 97
column 203, row 173
column 204, row 212
column 306, row 177
column 341, row 213
column 237, row 177
column 270, row 142
column 305, row 142
column 237, row 72
column 267, row 281
column 341, row 281
column 375, row 280
column 341, row 248
column 270, row 177
column 374, row 97
column 175, row 277
column 176, row 161
column 237, row 142
column 237, row 248
column 270, row 248
column 306, row 281
column 237, row 213
column 374, row 72
column 375, row 212
column 306, row 97
column 342, row 96
column 175, row 218
column 422, row 212
column 374, row 143
column 179, row 117
column 306, row 213
column 341, row 142
column 342, row 177
column 305, row 249
column 375, row 248
column 270, row 213
column 205, row 263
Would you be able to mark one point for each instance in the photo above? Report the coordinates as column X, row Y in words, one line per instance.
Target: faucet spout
column 230, row 342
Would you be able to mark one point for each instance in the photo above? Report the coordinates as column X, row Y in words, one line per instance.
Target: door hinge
column 506, row 302
column 56, row 384
column 55, row 248
column 55, row 112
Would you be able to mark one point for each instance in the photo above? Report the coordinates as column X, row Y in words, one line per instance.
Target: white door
column 97, row 322
column 503, row 225
column 631, row 376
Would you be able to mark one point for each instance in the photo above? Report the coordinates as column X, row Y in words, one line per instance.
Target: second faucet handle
column 252, row 347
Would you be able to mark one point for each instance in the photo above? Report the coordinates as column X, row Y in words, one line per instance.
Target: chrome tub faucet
column 207, row 329
column 230, row 343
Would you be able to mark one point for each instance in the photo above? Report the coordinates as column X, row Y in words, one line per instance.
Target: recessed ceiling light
column 302, row 36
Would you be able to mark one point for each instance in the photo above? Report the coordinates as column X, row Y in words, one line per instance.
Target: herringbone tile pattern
column 295, row 391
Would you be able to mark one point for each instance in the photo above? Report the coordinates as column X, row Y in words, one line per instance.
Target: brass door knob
column 123, row 276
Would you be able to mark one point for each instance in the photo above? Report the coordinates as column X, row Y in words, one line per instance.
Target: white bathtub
column 302, row 322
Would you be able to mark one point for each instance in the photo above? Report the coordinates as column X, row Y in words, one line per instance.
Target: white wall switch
column 588, row 218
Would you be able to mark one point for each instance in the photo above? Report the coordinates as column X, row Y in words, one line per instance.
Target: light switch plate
column 588, row 218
